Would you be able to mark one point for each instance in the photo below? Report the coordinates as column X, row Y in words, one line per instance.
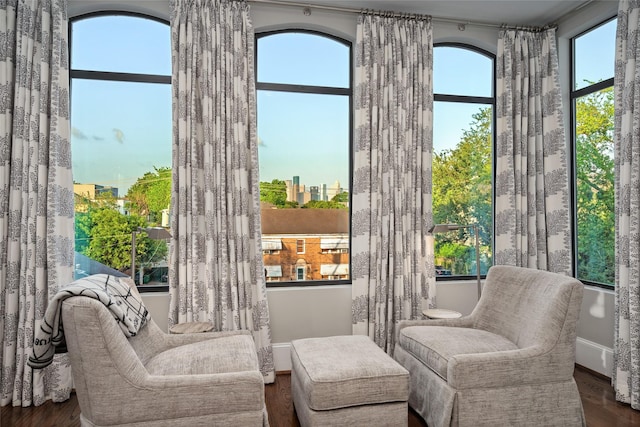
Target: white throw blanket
column 114, row 293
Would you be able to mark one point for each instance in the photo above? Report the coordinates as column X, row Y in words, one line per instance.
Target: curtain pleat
column 626, row 348
column 532, row 220
column 392, row 261
column 36, row 192
column 216, row 272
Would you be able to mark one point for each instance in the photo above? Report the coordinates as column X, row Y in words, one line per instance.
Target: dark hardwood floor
column 599, row 403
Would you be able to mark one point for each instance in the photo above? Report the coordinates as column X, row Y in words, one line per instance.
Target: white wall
column 158, row 305
column 313, row 312
column 302, row 312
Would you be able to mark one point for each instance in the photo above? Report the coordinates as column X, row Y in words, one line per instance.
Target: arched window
column 121, row 143
column 463, row 79
column 303, row 82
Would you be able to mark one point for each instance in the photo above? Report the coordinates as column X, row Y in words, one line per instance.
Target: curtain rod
column 358, row 11
column 461, row 23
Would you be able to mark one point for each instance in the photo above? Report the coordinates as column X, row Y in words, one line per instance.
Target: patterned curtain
column 532, row 221
column 36, row 192
column 392, row 262
column 216, row 271
column 626, row 348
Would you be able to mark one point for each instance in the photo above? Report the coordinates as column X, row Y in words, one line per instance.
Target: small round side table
column 441, row 313
column 191, row 328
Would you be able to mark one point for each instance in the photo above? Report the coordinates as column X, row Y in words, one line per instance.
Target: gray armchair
column 157, row 379
column 510, row 362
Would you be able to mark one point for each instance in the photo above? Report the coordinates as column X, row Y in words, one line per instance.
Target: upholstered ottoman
column 347, row 381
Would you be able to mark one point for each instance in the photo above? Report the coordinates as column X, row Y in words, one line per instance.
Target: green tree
column 274, row 192
column 595, row 186
column 110, row 238
column 324, row 204
column 83, row 220
column 150, row 194
column 342, row 197
column 453, row 255
column 462, row 184
column 82, row 231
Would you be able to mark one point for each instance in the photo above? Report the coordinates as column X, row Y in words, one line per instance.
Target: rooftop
column 305, row 221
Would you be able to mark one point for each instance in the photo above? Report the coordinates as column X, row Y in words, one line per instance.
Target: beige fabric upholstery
column 157, row 379
column 347, row 380
column 510, row 362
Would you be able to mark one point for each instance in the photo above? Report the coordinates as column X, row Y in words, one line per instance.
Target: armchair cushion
column 213, row 356
column 434, row 346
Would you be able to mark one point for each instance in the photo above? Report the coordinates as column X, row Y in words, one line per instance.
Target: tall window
column 462, row 162
column 121, row 144
column 593, row 114
column 304, row 129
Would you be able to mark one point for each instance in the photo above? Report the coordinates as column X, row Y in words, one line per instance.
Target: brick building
column 305, row 244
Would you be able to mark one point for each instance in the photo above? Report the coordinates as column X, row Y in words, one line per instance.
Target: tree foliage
column 104, row 234
column 274, row 192
column 342, row 197
column 462, row 195
column 595, row 186
column 150, row 194
column 111, row 236
column 324, row 204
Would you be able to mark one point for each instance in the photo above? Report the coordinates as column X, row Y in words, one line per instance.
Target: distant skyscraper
column 315, row 193
column 296, row 189
column 290, row 196
column 334, row 190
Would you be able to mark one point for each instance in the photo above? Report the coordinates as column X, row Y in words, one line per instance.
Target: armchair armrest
column 531, row 365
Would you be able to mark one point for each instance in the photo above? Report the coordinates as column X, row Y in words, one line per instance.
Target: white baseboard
column 282, row 356
column 594, row 356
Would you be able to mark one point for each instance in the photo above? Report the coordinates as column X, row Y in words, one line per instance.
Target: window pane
column 462, row 183
column 121, row 144
column 120, row 130
column 304, row 141
column 595, row 187
column 304, row 59
column 306, row 136
column 459, row 71
column 304, row 174
column 118, row 43
column 594, row 54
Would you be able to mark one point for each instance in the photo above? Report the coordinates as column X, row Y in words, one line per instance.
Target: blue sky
column 595, row 55
column 122, row 130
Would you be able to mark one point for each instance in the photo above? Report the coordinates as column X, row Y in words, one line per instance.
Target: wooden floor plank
column 600, row 407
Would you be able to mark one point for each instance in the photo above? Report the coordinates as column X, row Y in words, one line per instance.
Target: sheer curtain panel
column 36, row 192
column 393, row 266
column 216, row 272
column 626, row 347
column 532, row 221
